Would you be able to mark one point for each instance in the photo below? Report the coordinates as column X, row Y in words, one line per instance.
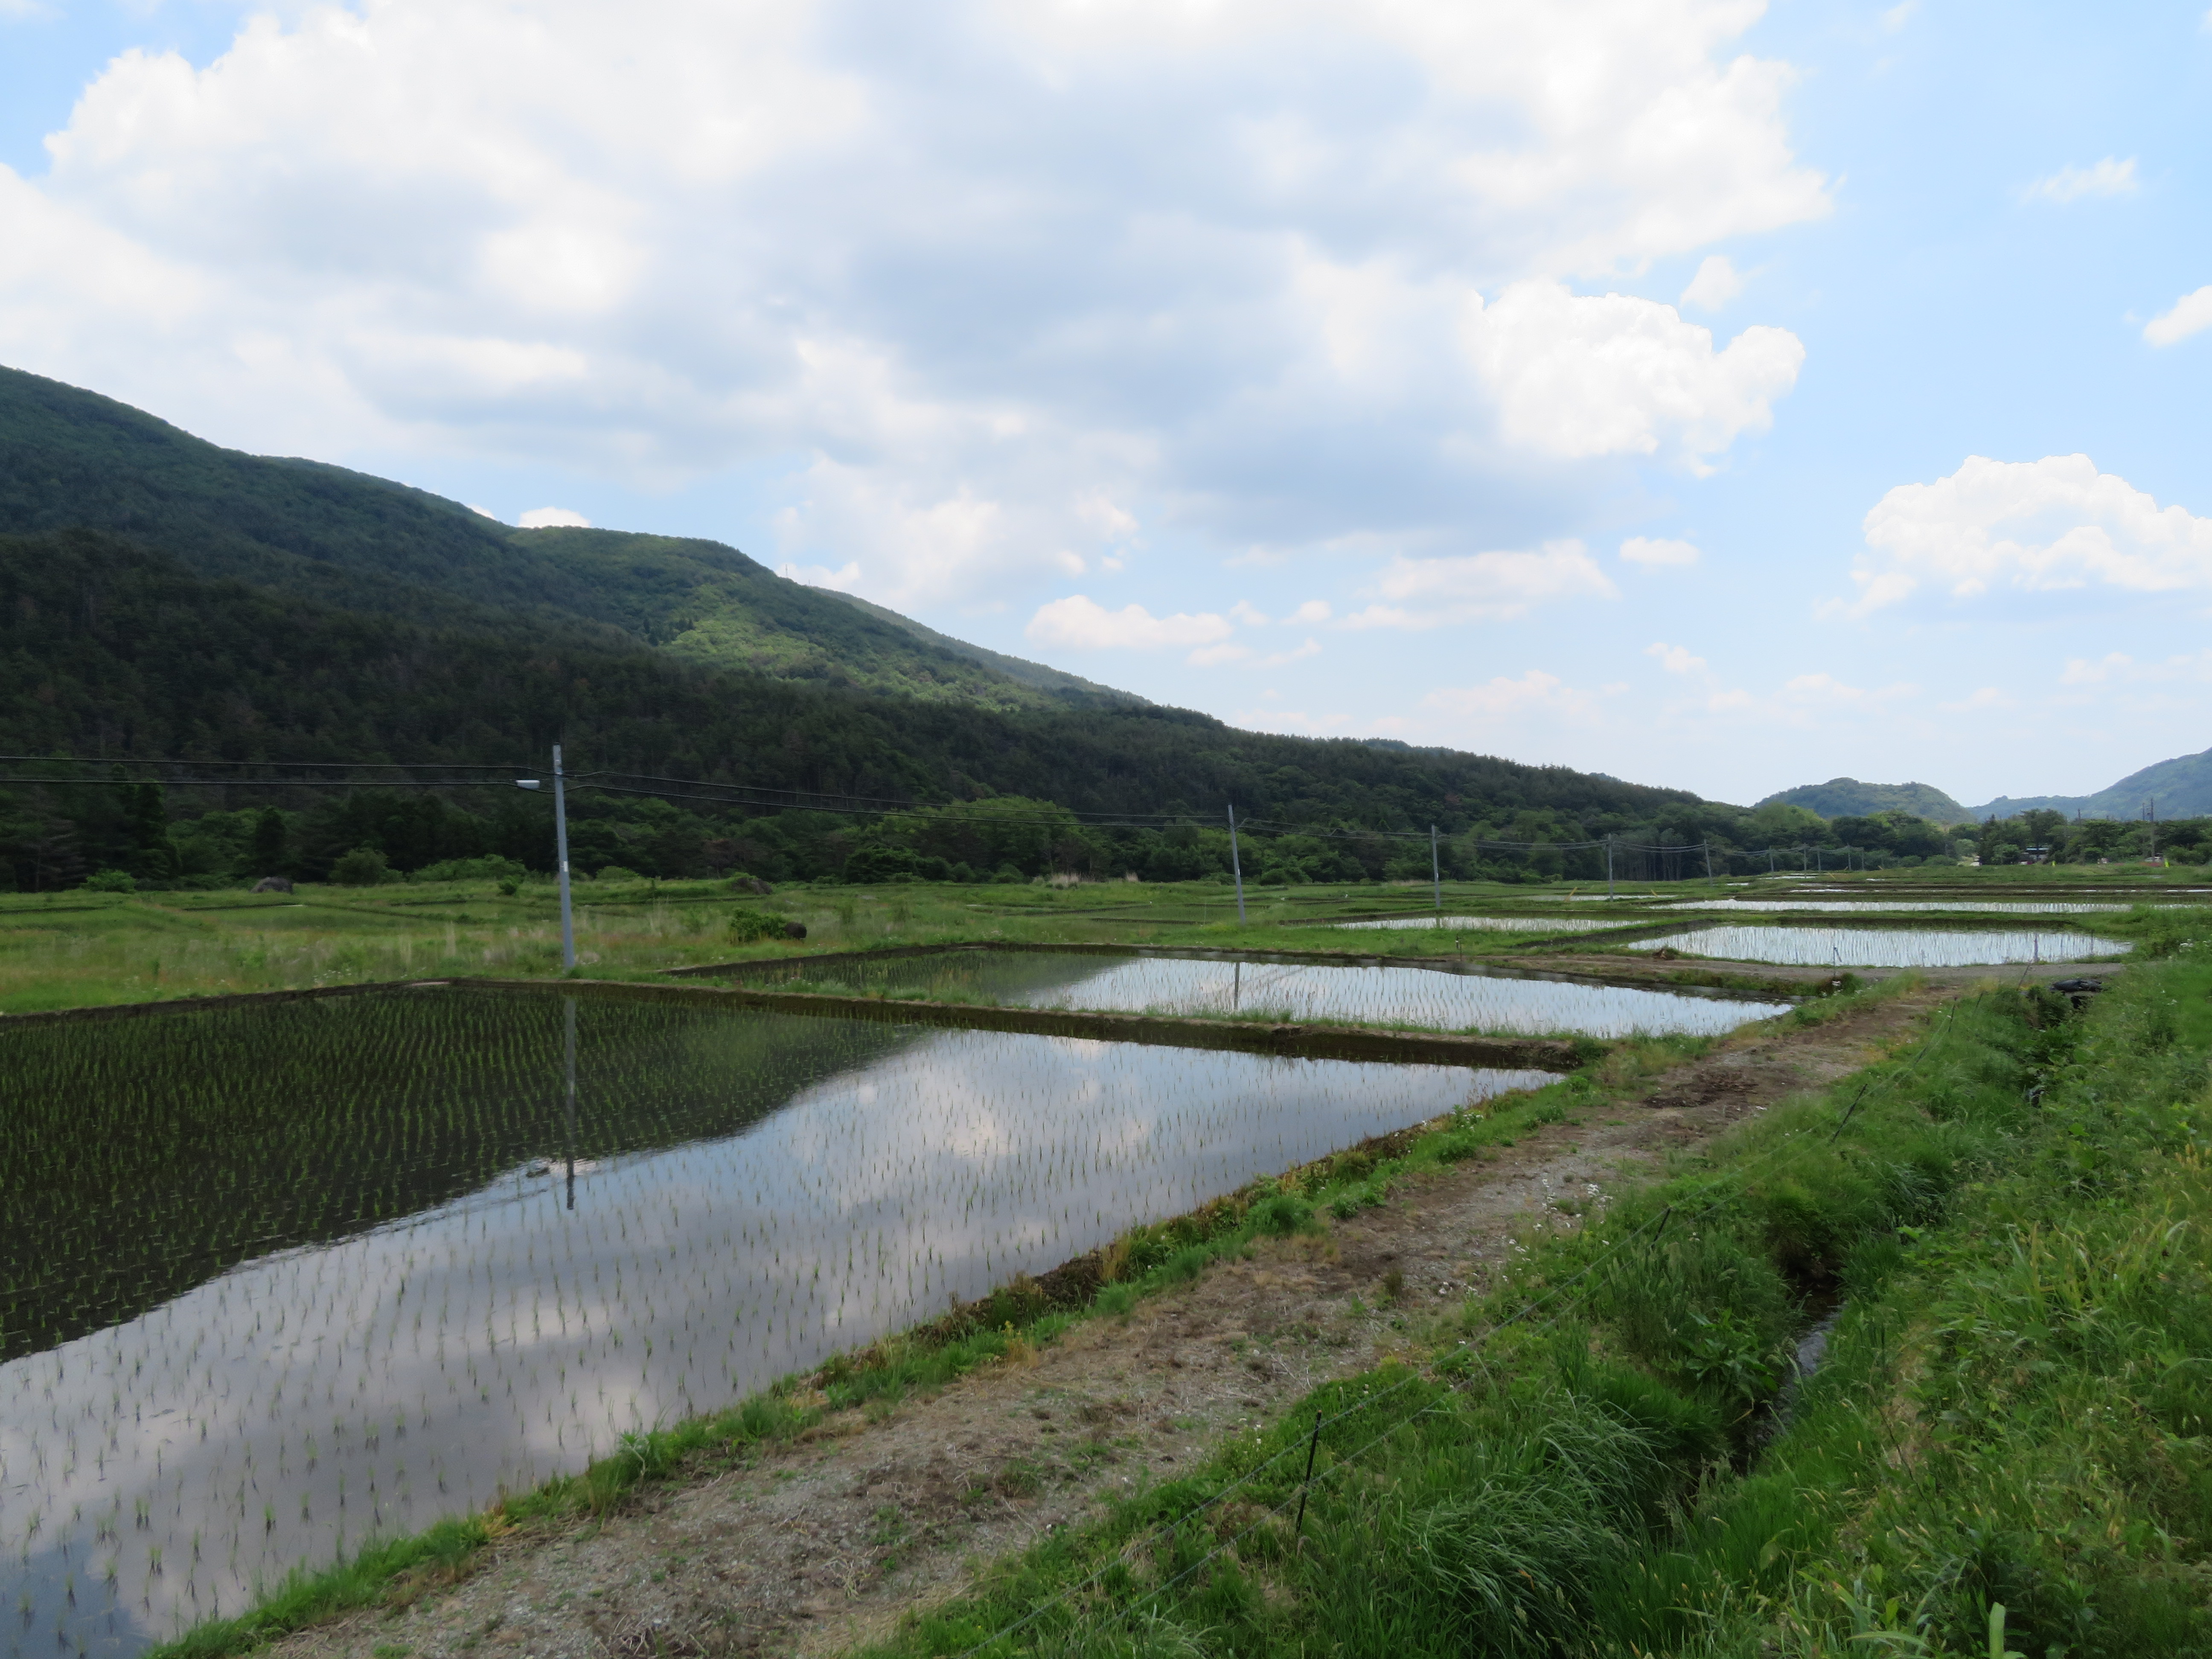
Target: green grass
column 1577, row 1466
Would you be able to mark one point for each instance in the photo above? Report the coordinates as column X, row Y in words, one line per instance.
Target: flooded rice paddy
column 1885, row 947
column 1496, row 923
column 279, row 1277
column 1992, row 907
column 1445, row 996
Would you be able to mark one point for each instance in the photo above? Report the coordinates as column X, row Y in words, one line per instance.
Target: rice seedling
column 277, row 1280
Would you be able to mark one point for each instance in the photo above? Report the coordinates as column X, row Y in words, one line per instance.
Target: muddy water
column 403, row 1271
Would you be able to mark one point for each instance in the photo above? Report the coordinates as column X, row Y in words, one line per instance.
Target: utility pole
column 1608, row 866
column 1236, row 866
column 1709, row 861
column 561, row 852
column 1435, row 872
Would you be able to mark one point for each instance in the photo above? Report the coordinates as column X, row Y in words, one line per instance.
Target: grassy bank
column 1582, row 1461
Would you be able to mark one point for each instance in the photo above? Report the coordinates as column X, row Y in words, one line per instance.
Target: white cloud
column 1243, row 611
column 1578, row 376
column 1083, row 625
column 553, row 518
column 2119, row 667
column 2032, row 526
column 1677, row 658
column 1480, row 708
column 891, row 264
column 2108, row 177
column 1481, row 586
column 1312, row 612
column 483, row 511
column 1899, row 15
column 1716, row 283
column 844, row 580
column 1642, row 550
column 2191, row 314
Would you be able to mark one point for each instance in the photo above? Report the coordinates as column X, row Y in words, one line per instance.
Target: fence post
column 1312, row 1446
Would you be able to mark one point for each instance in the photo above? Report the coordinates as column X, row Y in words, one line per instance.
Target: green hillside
column 709, row 604
column 2177, row 788
column 1848, row 797
column 70, row 459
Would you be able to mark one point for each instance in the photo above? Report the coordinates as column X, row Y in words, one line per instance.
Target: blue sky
column 1716, row 395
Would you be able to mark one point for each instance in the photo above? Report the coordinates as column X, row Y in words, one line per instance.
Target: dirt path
column 819, row 1545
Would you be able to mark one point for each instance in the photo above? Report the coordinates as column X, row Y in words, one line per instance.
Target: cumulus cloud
column 1581, row 376
column 1643, row 550
column 2108, row 177
column 1481, row 586
column 1675, row 659
column 991, row 289
column 1083, row 625
column 2029, row 525
column 2191, row 314
column 553, row 518
column 1716, row 283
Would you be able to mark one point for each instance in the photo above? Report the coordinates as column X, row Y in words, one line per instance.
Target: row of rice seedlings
column 751, row 1194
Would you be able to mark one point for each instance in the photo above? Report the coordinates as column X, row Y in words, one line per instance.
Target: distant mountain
column 2177, row 788
column 1848, row 797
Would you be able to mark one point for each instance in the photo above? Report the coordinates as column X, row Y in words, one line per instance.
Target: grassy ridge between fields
column 2005, row 1454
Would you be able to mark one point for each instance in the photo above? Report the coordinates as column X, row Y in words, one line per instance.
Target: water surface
column 1885, row 947
column 1443, row 996
column 279, row 1277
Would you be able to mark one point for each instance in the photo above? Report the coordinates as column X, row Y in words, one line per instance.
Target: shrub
column 363, row 867
column 616, row 872
column 110, row 881
column 747, row 925
column 490, row 867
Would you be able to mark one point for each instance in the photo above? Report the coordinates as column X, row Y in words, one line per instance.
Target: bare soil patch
column 815, row 1545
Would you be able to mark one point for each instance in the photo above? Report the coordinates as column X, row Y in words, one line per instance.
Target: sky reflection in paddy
column 283, row 1411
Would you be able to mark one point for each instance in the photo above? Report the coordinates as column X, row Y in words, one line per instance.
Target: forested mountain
column 72, row 459
column 2177, row 788
column 108, row 648
column 1840, row 798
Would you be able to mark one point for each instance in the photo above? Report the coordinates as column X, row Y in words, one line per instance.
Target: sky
column 1714, row 394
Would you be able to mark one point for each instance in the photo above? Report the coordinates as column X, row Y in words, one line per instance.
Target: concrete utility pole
column 1708, row 860
column 1435, row 872
column 1608, row 866
column 561, row 853
column 1237, row 866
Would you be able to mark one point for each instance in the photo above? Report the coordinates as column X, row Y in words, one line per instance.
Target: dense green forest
column 163, row 597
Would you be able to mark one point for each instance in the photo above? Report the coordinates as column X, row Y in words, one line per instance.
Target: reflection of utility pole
column 1236, row 866
column 568, row 1113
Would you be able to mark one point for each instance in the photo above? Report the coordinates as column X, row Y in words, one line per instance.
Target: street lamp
column 561, row 848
